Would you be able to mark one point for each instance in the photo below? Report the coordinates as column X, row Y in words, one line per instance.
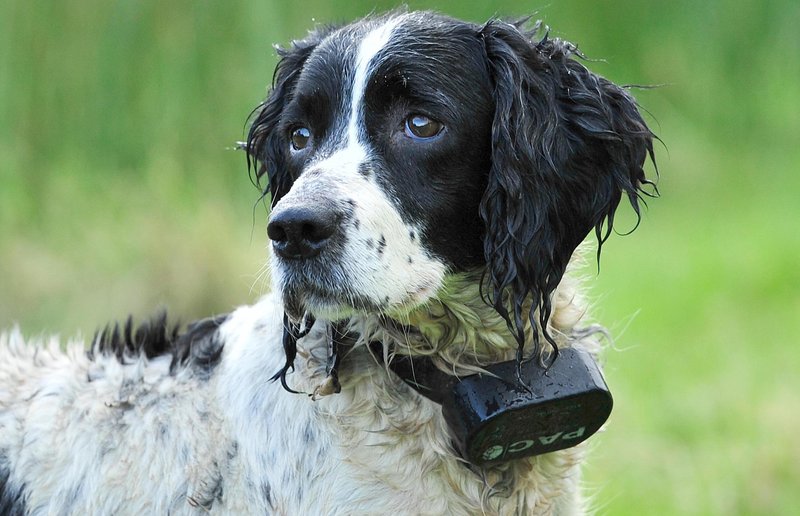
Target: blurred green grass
column 119, row 193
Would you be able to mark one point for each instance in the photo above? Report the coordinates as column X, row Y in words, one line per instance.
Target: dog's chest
column 373, row 448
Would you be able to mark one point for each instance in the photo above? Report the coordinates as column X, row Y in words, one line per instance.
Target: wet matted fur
column 431, row 181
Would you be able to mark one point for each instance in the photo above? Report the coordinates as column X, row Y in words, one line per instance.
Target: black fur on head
column 566, row 145
column 265, row 150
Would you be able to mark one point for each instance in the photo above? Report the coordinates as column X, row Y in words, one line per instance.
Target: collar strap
column 419, row 373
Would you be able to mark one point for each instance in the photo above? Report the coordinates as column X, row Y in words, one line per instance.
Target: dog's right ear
column 266, row 152
column 567, row 146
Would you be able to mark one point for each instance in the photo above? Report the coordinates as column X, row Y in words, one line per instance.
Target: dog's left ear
column 566, row 146
column 266, row 150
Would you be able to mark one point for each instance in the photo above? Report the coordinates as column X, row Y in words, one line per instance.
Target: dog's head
column 400, row 149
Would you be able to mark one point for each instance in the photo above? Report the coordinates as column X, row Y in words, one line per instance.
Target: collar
column 419, row 373
column 516, row 410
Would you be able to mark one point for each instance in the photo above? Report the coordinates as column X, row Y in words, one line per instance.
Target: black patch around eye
column 437, row 182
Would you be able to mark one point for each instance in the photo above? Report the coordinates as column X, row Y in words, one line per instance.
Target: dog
column 431, row 182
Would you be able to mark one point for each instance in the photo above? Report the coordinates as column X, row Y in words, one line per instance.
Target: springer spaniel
column 430, row 181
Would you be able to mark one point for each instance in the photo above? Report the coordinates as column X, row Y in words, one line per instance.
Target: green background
column 120, row 193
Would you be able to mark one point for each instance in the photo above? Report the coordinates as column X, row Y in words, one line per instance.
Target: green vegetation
column 119, row 193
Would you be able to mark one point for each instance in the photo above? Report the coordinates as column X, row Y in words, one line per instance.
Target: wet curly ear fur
column 266, row 149
column 566, row 146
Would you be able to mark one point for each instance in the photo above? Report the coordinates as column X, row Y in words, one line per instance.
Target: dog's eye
column 300, row 137
column 420, row 127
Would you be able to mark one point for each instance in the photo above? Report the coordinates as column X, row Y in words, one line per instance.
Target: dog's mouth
column 365, row 264
column 334, row 296
column 330, row 304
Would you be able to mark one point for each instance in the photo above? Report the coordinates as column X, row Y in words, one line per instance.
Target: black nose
column 301, row 232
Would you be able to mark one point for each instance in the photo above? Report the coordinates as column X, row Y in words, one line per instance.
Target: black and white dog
column 431, row 180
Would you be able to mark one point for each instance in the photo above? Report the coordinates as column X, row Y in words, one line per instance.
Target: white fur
column 367, row 50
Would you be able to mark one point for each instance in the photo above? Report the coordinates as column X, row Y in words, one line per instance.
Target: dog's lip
column 305, row 287
column 328, row 301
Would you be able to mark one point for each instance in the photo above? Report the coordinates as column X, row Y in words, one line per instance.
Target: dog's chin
column 344, row 304
column 297, row 307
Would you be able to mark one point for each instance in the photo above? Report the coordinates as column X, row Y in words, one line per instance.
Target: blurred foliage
column 120, row 192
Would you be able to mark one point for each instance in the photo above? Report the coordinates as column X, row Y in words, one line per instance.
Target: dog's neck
column 458, row 332
column 461, row 332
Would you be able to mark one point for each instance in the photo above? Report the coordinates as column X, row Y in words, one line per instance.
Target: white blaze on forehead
column 374, row 41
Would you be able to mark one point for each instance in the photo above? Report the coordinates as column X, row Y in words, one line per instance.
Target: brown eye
column 300, row 137
column 420, row 127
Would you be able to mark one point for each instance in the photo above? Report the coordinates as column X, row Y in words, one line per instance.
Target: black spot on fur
column 211, row 491
column 266, row 493
column 12, row 497
column 364, row 170
column 412, row 235
column 381, row 245
column 410, row 260
column 199, row 347
column 308, row 434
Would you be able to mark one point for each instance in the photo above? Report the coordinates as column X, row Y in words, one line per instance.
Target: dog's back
column 104, row 434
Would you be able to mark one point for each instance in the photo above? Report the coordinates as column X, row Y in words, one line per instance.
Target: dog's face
column 403, row 148
column 386, row 140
